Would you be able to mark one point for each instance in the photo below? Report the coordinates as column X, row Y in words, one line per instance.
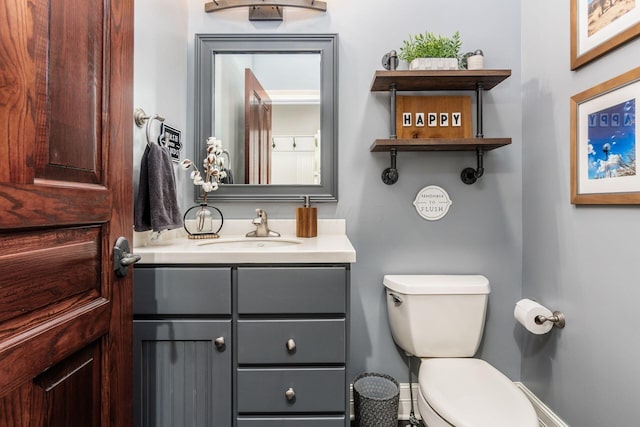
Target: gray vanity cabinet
column 182, row 357
column 283, row 361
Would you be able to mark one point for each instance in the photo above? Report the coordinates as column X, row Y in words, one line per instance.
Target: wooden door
column 257, row 123
column 65, row 196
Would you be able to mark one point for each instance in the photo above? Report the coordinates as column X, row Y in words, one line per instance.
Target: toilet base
column 429, row 416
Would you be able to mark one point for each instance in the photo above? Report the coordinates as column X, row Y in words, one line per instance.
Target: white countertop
column 173, row 247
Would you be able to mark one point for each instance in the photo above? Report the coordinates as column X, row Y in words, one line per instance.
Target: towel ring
column 225, row 151
column 140, row 117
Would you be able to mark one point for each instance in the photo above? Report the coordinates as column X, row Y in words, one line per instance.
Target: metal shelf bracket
column 470, row 175
column 390, row 174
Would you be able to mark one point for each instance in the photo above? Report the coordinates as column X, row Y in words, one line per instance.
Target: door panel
column 61, row 264
column 62, row 396
column 257, row 125
column 65, row 197
column 73, row 80
column 68, row 395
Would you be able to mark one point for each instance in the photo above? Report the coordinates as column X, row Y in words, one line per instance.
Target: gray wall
column 582, row 260
column 482, row 232
column 160, row 72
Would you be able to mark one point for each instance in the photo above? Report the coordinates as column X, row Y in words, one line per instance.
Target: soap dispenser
column 307, row 220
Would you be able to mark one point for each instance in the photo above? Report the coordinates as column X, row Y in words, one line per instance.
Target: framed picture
column 604, row 145
column 598, row 26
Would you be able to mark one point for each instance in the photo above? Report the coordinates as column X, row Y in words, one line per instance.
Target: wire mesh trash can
column 375, row 400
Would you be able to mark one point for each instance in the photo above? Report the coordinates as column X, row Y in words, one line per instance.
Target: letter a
column 420, row 119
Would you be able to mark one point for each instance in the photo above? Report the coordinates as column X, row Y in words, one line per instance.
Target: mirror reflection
column 267, row 114
column 272, row 101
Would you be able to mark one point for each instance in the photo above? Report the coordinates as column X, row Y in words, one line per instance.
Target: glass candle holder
column 203, row 222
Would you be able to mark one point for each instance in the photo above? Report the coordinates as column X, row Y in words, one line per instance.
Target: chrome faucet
column 262, row 226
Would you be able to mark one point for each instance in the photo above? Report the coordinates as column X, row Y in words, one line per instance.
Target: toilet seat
column 467, row 392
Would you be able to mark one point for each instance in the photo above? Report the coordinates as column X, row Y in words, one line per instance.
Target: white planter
column 434, row 64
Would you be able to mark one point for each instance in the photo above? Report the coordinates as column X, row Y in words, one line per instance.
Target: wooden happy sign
column 433, row 117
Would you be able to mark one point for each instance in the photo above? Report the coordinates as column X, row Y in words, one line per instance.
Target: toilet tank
column 437, row 315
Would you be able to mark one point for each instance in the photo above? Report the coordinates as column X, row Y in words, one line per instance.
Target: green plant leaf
column 430, row 45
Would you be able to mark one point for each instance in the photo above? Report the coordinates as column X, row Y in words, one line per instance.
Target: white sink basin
column 251, row 243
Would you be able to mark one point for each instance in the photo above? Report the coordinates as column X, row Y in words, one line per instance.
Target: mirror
column 272, row 101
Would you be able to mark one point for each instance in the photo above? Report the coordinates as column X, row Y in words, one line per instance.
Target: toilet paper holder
column 557, row 319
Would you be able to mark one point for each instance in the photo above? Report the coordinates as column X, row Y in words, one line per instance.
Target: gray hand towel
column 156, row 207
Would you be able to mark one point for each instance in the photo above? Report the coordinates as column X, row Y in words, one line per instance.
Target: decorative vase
column 203, row 221
column 434, row 64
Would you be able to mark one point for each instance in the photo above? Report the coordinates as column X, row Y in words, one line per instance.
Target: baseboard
column 546, row 416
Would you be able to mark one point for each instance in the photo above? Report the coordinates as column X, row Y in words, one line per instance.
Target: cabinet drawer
column 315, row 341
column 292, row 422
column 178, row 291
column 292, row 290
column 316, row 390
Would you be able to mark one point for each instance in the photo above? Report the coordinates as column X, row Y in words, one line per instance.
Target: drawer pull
column 290, row 394
column 291, row 345
column 219, row 343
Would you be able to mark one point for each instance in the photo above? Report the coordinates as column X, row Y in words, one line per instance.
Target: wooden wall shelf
column 421, row 80
column 438, row 80
column 439, row 144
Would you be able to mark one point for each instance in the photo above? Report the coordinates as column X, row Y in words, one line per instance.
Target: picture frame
column 599, row 26
column 604, row 144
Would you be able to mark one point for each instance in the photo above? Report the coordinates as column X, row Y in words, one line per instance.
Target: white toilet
column 440, row 319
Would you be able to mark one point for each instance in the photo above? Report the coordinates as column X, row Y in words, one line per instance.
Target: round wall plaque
column 432, row 202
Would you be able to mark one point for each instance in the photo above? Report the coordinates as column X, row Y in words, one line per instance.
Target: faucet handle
column 261, row 217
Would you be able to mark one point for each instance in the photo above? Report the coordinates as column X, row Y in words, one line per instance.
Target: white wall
column 482, row 232
column 582, row 260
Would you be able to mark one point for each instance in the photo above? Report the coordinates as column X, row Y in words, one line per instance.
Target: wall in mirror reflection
column 291, row 135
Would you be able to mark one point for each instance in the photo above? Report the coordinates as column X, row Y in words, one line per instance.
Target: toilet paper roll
column 526, row 312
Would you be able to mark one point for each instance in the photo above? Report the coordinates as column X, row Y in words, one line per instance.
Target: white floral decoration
column 213, row 167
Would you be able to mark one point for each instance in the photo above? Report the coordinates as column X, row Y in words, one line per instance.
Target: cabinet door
column 181, row 378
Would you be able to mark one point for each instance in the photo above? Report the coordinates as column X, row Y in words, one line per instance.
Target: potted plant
column 431, row 52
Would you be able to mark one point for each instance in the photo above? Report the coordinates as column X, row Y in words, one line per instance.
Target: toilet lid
column 471, row 392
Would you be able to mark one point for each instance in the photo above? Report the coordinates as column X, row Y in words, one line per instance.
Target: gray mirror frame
column 206, row 45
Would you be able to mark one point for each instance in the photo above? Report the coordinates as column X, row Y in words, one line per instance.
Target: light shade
column 266, row 10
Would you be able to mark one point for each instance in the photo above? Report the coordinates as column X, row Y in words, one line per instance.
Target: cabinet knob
column 290, row 394
column 219, row 342
column 291, row 345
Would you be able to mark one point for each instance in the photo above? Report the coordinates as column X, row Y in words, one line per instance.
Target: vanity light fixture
column 265, row 10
